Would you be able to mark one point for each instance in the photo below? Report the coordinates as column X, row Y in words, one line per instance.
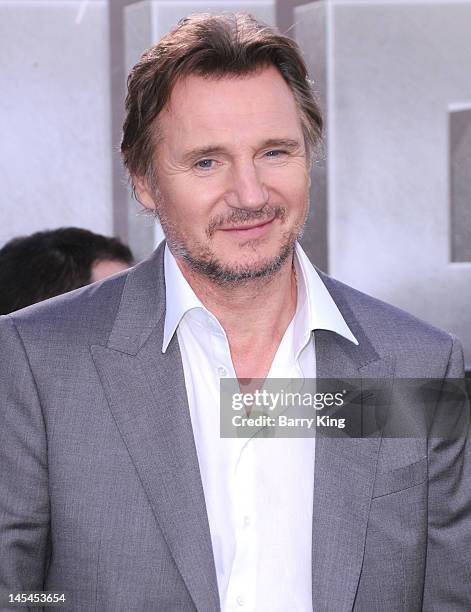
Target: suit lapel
column 147, row 397
column 344, row 473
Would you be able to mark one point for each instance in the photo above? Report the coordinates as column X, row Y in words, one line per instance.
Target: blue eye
column 275, row 153
column 204, row 164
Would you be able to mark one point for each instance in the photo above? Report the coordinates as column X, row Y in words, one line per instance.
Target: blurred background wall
column 391, row 200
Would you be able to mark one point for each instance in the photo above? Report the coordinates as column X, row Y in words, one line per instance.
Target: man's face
column 231, row 173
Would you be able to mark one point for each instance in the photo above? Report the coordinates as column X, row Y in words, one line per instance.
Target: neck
column 254, row 314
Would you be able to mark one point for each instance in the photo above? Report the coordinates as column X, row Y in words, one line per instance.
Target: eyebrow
column 201, row 152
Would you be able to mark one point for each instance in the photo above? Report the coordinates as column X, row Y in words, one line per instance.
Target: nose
column 247, row 190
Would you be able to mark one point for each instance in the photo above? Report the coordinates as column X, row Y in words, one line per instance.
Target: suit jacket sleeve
column 448, row 566
column 24, row 500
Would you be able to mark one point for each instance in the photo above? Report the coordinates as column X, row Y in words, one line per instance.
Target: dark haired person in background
column 115, row 483
column 45, row 264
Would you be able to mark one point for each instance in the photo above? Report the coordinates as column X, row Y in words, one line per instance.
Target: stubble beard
column 201, row 259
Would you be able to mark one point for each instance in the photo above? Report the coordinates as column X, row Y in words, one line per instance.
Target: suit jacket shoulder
column 421, row 349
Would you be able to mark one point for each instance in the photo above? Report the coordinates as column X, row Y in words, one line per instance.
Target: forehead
column 258, row 104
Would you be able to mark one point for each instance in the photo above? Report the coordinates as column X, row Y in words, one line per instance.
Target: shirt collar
column 179, row 297
column 316, row 307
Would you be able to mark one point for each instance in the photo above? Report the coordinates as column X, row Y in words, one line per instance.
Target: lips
column 245, row 228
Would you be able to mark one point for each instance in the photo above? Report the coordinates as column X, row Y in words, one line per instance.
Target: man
column 116, row 485
column 45, row 264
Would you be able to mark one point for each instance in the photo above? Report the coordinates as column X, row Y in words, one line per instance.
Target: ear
column 144, row 194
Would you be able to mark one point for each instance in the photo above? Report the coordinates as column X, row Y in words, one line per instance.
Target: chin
column 238, row 270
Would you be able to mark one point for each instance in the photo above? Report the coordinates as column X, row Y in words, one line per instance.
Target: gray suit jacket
column 100, row 490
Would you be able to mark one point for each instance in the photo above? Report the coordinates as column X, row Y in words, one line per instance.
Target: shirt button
column 247, row 521
column 240, row 601
column 222, row 371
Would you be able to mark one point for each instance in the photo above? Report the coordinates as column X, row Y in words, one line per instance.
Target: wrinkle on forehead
column 263, row 91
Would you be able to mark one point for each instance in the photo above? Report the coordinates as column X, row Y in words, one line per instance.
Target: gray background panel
column 460, row 183
column 54, row 116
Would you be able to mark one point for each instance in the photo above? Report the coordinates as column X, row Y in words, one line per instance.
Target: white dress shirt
column 258, row 491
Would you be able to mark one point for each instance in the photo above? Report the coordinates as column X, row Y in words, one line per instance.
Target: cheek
column 291, row 183
column 187, row 204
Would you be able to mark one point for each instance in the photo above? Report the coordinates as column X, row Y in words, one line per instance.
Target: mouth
column 249, row 231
